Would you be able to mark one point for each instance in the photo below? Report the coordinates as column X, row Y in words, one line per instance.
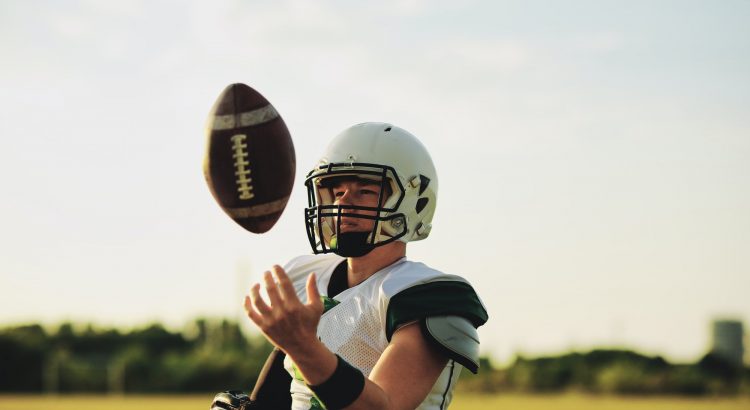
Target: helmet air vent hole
column 421, row 203
column 423, row 182
column 387, row 129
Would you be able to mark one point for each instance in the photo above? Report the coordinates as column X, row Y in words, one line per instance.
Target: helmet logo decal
column 242, row 167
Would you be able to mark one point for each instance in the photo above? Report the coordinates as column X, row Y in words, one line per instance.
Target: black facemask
column 351, row 244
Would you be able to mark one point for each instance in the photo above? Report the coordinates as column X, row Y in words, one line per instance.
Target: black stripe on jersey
column 338, row 281
column 448, row 387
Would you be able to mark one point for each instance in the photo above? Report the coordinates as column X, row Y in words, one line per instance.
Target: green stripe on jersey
column 328, row 303
column 442, row 298
column 316, row 404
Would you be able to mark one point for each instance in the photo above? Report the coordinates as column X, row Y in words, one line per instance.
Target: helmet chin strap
column 351, row 244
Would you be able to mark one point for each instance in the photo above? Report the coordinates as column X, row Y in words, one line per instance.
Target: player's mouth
column 353, row 224
column 348, row 226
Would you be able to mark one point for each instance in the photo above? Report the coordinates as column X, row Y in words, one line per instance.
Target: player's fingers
column 272, row 290
column 313, row 295
column 258, row 302
column 285, row 285
column 251, row 313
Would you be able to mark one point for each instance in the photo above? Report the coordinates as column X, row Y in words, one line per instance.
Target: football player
column 357, row 325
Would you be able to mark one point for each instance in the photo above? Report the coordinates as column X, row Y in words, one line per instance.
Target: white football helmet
column 384, row 153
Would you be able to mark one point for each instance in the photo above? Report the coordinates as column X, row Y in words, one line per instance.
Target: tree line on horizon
column 215, row 355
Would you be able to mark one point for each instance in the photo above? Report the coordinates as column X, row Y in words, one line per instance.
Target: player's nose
column 346, row 197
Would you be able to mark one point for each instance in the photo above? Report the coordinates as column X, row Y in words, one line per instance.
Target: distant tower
column 727, row 341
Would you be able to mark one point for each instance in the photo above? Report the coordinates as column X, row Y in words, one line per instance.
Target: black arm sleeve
column 271, row 391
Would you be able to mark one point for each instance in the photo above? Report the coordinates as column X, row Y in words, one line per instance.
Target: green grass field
column 461, row 402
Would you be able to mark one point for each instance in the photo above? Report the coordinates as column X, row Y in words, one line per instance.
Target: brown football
column 249, row 163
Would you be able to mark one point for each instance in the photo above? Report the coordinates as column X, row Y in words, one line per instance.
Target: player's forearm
column 317, row 364
column 314, row 361
column 372, row 397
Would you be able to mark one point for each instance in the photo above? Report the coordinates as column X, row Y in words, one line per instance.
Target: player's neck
column 365, row 266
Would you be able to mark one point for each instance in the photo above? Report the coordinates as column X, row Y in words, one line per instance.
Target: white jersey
column 356, row 328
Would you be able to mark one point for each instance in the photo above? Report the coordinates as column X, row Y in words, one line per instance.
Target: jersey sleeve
column 440, row 298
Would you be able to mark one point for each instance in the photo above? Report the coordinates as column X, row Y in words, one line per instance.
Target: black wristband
column 342, row 388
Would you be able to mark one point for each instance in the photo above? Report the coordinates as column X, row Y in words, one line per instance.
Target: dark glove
column 231, row 400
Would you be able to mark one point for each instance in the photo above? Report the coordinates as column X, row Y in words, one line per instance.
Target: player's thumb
column 313, row 296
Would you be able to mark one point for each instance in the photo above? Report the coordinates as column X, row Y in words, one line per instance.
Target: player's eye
column 367, row 192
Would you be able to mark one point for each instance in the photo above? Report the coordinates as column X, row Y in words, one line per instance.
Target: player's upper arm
column 408, row 368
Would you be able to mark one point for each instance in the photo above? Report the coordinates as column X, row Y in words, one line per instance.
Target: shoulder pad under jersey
column 457, row 337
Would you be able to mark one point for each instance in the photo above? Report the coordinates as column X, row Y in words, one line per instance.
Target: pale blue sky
column 594, row 156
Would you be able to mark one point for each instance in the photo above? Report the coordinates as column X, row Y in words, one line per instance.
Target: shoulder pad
column 457, row 337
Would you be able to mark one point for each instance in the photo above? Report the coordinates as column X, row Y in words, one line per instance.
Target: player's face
column 358, row 193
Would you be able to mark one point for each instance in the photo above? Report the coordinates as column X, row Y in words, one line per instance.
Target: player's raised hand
column 286, row 322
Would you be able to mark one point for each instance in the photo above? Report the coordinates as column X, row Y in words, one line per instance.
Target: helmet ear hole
column 421, row 203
